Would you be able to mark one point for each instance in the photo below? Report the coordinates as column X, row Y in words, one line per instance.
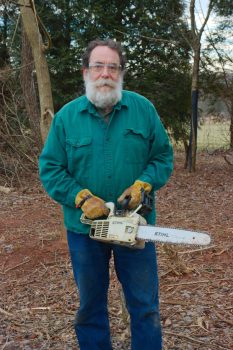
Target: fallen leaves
column 38, row 294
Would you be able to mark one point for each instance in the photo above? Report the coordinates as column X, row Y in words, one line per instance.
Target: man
column 102, row 147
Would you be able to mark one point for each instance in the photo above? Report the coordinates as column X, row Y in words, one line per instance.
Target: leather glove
column 92, row 206
column 135, row 192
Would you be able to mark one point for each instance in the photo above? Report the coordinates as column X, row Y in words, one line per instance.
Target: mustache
column 103, row 82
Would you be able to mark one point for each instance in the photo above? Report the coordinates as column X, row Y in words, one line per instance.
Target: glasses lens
column 112, row 68
column 99, row 67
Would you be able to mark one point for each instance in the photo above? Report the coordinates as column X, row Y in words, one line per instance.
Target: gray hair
column 112, row 44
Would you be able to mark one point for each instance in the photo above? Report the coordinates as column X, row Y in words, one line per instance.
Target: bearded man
column 103, row 147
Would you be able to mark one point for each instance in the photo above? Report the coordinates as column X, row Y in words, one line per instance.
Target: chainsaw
column 129, row 228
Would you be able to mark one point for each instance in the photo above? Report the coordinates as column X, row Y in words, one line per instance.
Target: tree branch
column 210, row 8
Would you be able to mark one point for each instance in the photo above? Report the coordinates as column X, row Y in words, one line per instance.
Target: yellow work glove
column 135, row 193
column 93, row 207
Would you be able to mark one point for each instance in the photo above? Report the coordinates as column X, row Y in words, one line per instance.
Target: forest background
column 159, row 39
column 179, row 53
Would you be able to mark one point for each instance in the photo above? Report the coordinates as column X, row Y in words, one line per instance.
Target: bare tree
column 29, row 89
column 32, row 29
column 195, row 43
column 32, row 25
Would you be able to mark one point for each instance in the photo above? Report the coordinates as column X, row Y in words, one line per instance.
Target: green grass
column 213, row 135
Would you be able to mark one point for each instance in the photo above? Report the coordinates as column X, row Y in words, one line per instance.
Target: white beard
column 103, row 99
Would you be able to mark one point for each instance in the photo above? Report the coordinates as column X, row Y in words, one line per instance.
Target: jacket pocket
column 136, row 145
column 74, row 142
column 79, row 152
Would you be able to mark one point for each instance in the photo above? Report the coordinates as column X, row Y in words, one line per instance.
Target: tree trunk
column 196, row 47
column 30, row 90
column 4, row 54
column 30, row 24
column 31, row 27
column 194, row 114
column 231, row 126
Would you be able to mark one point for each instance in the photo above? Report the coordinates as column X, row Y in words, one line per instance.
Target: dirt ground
column 38, row 295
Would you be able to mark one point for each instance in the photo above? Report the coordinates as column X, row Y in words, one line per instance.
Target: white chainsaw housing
column 117, row 229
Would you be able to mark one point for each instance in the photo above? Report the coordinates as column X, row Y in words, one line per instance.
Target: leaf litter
column 38, row 295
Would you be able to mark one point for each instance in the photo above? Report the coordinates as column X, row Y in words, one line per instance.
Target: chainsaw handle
column 125, row 202
column 127, row 199
column 109, row 205
column 85, row 220
column 146, row 203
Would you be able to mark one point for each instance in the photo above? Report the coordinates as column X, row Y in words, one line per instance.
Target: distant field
column 213, row 135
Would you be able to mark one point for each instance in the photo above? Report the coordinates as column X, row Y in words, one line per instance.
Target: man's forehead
column 104, row 54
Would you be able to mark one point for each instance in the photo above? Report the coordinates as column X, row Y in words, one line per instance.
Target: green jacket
column 83, row 151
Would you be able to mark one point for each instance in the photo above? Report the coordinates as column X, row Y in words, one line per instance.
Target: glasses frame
column 98, row 67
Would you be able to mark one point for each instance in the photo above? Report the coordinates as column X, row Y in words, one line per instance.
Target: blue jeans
column 136, row 270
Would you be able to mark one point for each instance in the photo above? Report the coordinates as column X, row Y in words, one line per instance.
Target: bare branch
column 150, row 38
column 192, row 17
column 210, row 8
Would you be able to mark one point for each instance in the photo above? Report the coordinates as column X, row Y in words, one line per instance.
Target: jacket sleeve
column 160, row 164
column 53, row 170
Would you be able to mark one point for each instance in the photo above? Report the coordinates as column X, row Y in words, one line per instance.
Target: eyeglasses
column 99, row 67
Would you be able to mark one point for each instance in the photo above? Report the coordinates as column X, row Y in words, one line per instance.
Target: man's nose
column 105, row 72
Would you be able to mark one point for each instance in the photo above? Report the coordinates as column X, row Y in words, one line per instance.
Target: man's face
column 103, row 78
column 103, row 55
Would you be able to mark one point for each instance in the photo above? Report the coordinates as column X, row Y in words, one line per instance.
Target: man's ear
column 84, row 72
